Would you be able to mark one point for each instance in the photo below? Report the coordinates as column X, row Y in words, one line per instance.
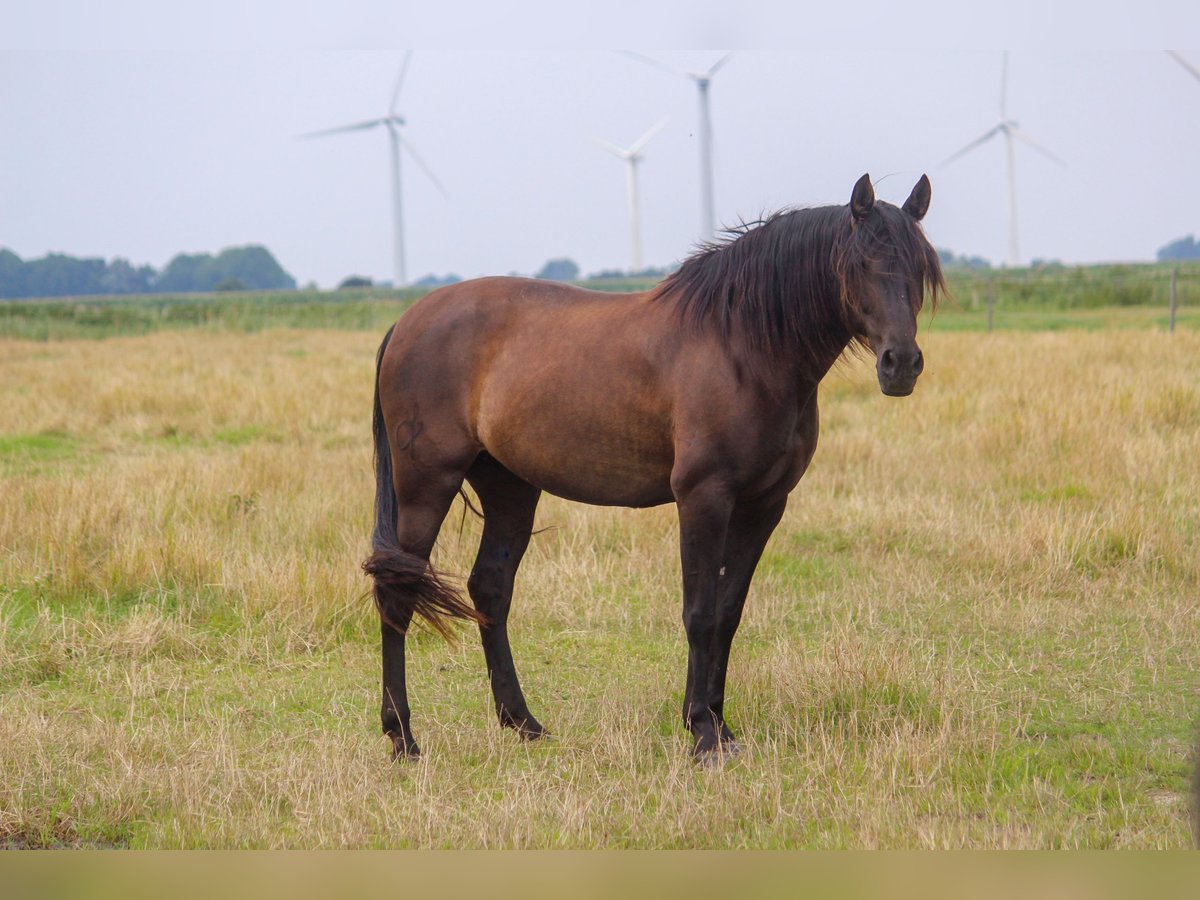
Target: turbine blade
column 712, row 70
column 650, row 61
column 1004, row 87
column 412, row 151
column 986, row 136
column 357, row 126
column 613, row 148
column 1187, row 65
column 1020, row 135
column 641, row 142
column 399, row 82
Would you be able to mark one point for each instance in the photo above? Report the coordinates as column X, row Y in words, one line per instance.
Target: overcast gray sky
column 140, row 130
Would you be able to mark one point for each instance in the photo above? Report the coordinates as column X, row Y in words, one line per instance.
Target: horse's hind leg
column 508, row 507
column 396, row 713
column 421, row 507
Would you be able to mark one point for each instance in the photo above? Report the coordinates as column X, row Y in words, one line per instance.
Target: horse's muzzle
column 898, row 368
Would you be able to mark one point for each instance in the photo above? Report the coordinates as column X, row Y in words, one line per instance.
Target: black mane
column 788, row 283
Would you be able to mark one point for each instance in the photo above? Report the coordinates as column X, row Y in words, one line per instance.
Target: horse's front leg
column 749, row 530
column 704, row 513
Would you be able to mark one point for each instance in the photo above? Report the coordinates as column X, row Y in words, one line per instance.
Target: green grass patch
column 244, row 434
column 1055, row 494
column 35, row 452
column 805, row 569
column 36, row 447
column 873, row 706
column 102, row 317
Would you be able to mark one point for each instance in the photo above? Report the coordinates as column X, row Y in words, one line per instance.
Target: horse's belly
column 588, row 459
column 600, row 489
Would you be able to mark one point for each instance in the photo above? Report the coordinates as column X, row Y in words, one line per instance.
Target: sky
column 142, row 130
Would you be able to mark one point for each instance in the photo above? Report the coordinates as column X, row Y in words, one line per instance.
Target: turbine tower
column 632, row 156
column 1010, row 130
column 394, row 125
column 703, row 80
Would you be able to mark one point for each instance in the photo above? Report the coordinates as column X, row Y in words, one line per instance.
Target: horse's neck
column 788, row 377
column 806, row 364
column 811, row 372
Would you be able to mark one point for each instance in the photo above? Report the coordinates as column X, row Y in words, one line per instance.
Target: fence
column 1058, row 288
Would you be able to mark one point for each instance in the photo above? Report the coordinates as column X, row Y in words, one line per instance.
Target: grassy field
column 103, row 317
column 976, row 626
column 1107, row 296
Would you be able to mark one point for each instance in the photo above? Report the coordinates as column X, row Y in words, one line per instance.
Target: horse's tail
column 405, row 584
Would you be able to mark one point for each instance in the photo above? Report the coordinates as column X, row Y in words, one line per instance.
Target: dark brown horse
column 701, row 392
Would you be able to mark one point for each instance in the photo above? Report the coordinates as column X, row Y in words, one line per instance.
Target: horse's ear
column 862, row 200
column 917, row 203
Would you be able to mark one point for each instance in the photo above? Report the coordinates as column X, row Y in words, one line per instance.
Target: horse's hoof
column 528, row 729
column 716, row 757
column 710, row 759
column 405, row 752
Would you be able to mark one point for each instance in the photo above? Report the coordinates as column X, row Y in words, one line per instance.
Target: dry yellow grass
column 976, row 626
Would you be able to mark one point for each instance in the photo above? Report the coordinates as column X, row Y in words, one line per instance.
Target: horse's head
column 886, row 266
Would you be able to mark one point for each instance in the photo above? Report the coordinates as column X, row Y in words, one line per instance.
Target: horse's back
column 562, row 385
column 484, row 311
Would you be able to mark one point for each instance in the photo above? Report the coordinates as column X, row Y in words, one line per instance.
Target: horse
column 701, row 391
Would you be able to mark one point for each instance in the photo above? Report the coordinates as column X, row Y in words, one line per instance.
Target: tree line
column 1183, row 248
column 58, row 275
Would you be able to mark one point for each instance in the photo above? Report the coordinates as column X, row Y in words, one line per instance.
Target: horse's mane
column 787, row 283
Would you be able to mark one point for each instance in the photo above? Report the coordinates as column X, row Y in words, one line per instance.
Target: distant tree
column 950, row 260
column 561, row 269
column 354, row 281
column 58, row 275
column 433, row 281
column 646, row 273
column 607, row 274
column 253, row 266
column 186, row 272
column 1046, row 265
column 653, row 272
column 122, row 278
column 229, row 284
column 1184, row 248
column 12, row 275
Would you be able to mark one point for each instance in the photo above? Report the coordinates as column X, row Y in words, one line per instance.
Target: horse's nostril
column 888, row 361
column 919, row 363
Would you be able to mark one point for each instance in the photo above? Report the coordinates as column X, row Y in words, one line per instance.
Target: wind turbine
column 393, row 123
column 703, row 80
column 1010, row 130
column 632, row 156
column 1187, row 65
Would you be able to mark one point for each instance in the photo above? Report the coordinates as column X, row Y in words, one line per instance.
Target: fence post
column 1174, row 278
column 991, row 301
